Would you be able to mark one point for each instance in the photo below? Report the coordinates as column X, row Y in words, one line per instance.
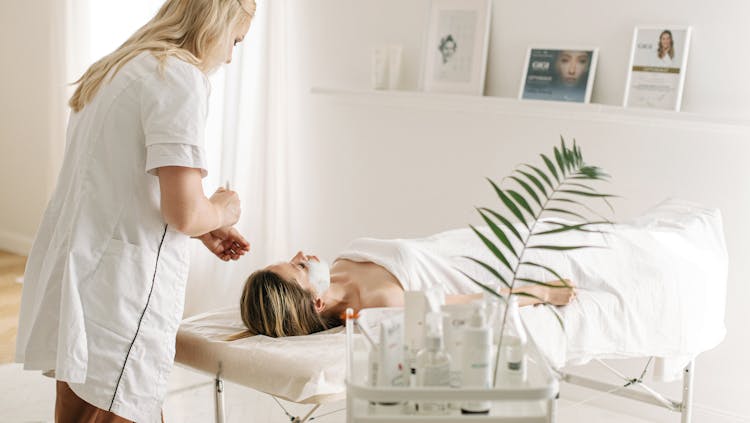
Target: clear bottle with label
column 433, row 365
column 476, row 371
column 512, row 367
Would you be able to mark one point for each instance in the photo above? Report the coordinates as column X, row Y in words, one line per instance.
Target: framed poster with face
column 455, row 59
column 656, row 74
column 559, row 74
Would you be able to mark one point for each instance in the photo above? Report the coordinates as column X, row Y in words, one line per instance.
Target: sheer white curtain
column 246, row 136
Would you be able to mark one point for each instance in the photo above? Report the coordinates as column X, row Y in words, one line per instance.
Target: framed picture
column 656, row 74
column 559, row 74
column 455, row 59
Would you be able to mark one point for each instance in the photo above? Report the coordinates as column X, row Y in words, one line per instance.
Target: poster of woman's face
column 455, row 49
column 659, row 47
column 559, row 74
column 657, row 67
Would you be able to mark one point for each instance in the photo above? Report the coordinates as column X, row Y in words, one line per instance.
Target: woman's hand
column 227, row 203
column 226, row 243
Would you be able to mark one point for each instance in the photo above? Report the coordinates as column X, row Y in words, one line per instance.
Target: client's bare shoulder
column 377, row 286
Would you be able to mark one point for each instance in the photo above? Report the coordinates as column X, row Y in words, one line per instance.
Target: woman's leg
column 561, row 294
column 69, row 408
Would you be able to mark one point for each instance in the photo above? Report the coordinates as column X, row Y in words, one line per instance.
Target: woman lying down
column 658, row 288
column 303, row 295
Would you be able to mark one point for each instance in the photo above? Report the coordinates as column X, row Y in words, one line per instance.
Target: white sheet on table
column 303, row 369
column 657, row 288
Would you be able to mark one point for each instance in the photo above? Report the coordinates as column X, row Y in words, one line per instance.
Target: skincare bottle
column 455, row 319
column 433, row 365
column 390, row 360
column 511, row 371
column 476, row 371
column 415, row 308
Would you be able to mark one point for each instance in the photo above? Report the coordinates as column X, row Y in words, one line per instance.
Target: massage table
column 667, row 305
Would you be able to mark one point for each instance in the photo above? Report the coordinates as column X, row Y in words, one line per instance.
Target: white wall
column 397, row 167
column 25, row 119
column 400, row 165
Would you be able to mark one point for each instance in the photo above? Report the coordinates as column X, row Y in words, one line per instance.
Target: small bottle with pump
column 433, row 365
column 477, row 361
column 511, row 371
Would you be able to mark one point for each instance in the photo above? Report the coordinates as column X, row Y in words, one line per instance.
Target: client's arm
column 539, row 295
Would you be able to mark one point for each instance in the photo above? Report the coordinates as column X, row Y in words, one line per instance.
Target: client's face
column 296, row 269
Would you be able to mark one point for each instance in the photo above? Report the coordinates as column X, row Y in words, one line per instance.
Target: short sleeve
column 173, row 115
column 172, row 154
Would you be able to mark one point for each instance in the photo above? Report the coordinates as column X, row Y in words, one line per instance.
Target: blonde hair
column 275, row 307
column 189, row 30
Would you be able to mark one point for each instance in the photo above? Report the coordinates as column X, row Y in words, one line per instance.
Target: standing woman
column 105, row 281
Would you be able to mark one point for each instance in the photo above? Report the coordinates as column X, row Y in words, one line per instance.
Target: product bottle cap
column 434, row 338
column 477, row 317
column 478, row 333
column 433, row 342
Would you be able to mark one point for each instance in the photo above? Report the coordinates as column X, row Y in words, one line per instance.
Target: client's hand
column 226, row 243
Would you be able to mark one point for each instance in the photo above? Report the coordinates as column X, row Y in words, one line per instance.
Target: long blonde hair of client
column 275, row 307
column 190, row 30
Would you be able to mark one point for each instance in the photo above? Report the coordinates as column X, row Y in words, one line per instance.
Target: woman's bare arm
column 537, row 294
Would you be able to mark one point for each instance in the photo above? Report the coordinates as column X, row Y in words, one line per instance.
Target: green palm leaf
column 566, row 228
column 560, row 163
column 556, row 313
column 492, row 247
column 540, row 283
column 528, row 189
column 585, row 193
column 551, row 167
column 509, row 203
column 558, row 247
column 562, row 185
column 498, row 233
column 541, row 175
column 526, row 294
column 567, row 212
column 585, row 206
column 534, row 181
column 521, row 201
column 547, row 268
column 511, row 227
column 484, row 287
column 575, row 184
column 489, row 269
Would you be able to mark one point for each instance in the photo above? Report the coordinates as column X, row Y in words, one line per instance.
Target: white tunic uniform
column 105, row 281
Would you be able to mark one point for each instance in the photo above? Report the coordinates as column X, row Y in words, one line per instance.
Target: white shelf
column 534, row 109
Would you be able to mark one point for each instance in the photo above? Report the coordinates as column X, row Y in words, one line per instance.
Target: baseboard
column 15, row 243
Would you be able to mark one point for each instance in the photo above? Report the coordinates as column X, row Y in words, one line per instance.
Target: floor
column 11, row 269
column 29, row 396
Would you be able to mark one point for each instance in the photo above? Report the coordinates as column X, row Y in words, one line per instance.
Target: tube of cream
column 394, row 66
column 379, row 68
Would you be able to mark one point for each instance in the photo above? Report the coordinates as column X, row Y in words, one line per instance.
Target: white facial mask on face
column 320, row 275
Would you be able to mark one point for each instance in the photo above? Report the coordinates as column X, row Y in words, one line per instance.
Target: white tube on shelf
column 394, row 66
column 380, row 68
